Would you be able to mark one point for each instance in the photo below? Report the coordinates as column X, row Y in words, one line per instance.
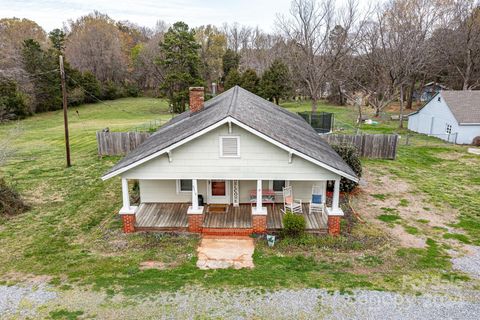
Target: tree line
column 319, row 50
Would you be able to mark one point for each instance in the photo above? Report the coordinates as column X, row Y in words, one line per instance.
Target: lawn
column 72, row 233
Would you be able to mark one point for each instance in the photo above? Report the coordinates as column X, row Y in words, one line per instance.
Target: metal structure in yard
column 119, row 143
column 322, row 122
column 373, row 146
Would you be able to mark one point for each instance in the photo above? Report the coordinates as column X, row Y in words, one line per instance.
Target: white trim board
column 226, row 120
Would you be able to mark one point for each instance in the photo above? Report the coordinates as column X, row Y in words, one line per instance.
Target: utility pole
column 65, row 115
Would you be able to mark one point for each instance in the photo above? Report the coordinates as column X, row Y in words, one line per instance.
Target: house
column 220, row 168
column 428, row 91
column 450, row 115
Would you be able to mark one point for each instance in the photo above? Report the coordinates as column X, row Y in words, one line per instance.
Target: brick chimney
column 196, row 98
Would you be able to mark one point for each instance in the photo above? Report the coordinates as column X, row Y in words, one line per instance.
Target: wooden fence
column 119, row 143
column 374, row 146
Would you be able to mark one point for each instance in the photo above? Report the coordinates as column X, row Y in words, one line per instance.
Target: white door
column 219, row 191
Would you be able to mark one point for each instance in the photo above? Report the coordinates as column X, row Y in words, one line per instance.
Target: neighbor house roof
column 465, row 105
column 266, row 118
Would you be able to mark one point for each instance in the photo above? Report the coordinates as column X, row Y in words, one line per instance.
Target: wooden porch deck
column 173, row 217
column 314, row 222
column 162, row 216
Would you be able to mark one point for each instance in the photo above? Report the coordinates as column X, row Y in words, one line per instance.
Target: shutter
column 230, row 147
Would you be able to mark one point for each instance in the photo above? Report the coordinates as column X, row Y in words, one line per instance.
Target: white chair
column 317, row 202
column 289, row 203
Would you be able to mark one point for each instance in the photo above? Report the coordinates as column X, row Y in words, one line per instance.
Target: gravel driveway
column 243, row 304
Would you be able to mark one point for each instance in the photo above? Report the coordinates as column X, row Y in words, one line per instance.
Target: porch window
column 278, row 185
column 230, row 147
column 184, row 185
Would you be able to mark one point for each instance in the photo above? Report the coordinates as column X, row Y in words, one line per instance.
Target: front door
column 219, row 191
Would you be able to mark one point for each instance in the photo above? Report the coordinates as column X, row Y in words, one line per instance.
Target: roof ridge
column 234, row 98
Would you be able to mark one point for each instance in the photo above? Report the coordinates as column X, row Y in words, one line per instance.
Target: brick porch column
column 195, row 222
column 259, row 223
column 128, row 223
column 334, row 225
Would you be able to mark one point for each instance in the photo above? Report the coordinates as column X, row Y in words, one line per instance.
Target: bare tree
column 311, row 27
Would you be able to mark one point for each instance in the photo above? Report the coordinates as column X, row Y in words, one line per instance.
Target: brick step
column 227, row 231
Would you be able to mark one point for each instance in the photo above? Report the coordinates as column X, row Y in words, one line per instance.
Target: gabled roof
column 464, row 105
column 251, row 111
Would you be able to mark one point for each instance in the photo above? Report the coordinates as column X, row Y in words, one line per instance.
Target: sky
column 52, row 14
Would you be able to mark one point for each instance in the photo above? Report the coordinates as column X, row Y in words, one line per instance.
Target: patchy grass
column 424, row 221
column 403, row 203
column 457, row 236
column 445, row 175
column 72, row 233
column 64, row 314
column 389, row 218
column 380, row 196
column 411, row 230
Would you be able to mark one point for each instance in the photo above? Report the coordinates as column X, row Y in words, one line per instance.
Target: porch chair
column 317, row 203
column 289, row 203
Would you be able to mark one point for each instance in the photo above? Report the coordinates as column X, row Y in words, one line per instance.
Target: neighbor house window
column 448, row 128
column 278, row 185
column 230, row 147
column 184, row 185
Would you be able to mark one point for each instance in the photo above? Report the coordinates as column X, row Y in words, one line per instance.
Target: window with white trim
column 184, row 185
column 230, row 147
column 448, row 128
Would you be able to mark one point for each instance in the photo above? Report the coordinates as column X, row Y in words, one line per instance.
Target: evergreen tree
column 181, row 62
column 230, row 60
column 13, row 103
column 42, row 67
column 276, row 82
column 232, row 79
column 250, row 81
column 57, row 37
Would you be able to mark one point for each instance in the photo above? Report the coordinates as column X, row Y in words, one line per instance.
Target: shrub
column 13, row 104
column 293, row 224
column 10, row 201
column 350, row 155
column 132, row 90
column 111, row 91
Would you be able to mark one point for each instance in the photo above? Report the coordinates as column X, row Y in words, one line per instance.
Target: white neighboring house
column 238, row 151
column 450, row 115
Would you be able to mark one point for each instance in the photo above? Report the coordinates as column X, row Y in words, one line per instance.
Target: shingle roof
column 259, row 114
column 465, row 105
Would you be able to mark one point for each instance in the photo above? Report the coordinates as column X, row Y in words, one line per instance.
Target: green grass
column 65, row 314
column 72, row 233
column 457, row 236
column 389, row 218
column 411, row 230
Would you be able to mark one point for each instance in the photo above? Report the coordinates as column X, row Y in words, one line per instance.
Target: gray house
column 223, row 167
column 450, row 115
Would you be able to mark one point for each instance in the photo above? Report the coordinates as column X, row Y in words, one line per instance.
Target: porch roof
column 253, row 112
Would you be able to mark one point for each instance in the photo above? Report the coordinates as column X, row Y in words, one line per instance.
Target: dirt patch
column 383, row 195
column 225, row 252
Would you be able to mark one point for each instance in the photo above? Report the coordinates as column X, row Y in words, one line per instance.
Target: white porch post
column 259, row 210
column 335, row 210
column 194, row 195
column 126, row 208
column 195, row 208
column 336, row 195
column 126, row 196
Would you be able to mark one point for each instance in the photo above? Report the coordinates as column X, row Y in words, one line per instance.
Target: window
column 184, row 185
column 278, row 185
column 448, row 128
column 230, row 147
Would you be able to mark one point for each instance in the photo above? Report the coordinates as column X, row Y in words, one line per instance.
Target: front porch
column 237, row 219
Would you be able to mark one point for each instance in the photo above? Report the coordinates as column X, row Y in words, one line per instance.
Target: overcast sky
column 52, row 14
